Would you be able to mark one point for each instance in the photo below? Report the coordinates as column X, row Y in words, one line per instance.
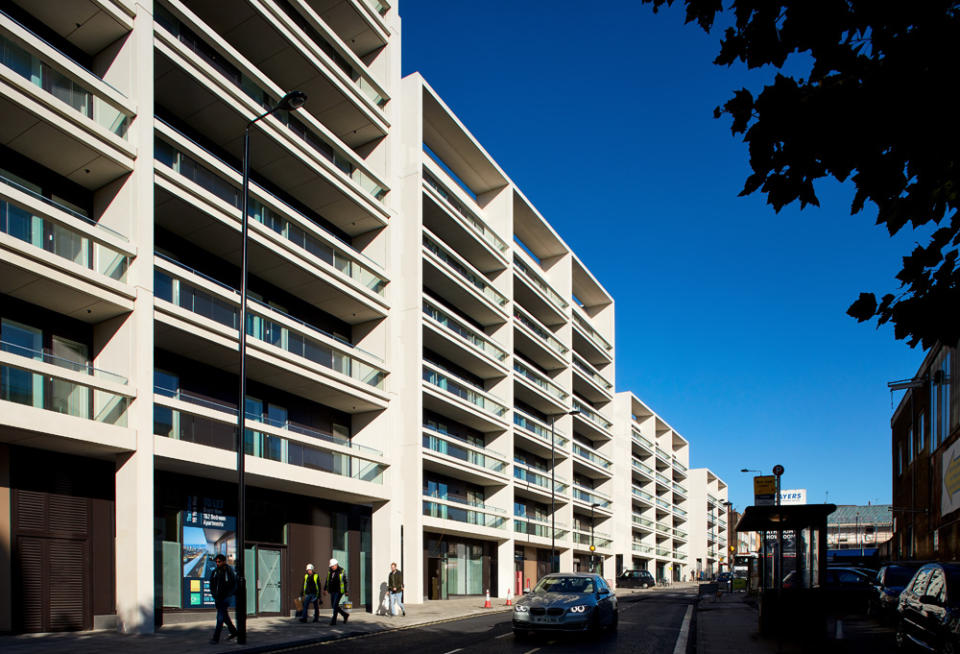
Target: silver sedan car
column 566, row 602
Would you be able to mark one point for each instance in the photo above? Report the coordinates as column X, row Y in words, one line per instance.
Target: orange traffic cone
column 486, row 603
column 509, row 597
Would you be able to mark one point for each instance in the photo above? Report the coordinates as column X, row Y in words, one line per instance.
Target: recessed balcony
column 641, row 470
column 534, row 484
column 60, row 259
column 538, row 531
column 537, row 390
column 456, row 398
column 588, row 342
column 588, row 383
column 465, row 518
column 588, row 461
column 454, row 457
column 641, row 444
column 641, row 524
column 91, row 25
column 460, row 284
column 591, row 422
column 536, row 342
column 59, row 114
column 641, row 548
column 534, row 435
column 584, row 539
column 458, row 341
column 584, row 497
column 537, row 296
column 641, row 497
column 359, row 23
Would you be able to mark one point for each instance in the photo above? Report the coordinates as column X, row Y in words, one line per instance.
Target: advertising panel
column 203, row 536
column 793, row 496
column 950, row 493
column 765, row 490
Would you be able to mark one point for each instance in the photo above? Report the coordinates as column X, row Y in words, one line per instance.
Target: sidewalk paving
column 263, row 634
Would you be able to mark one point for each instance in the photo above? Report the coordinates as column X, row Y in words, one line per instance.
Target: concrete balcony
column 446, row 214
column 588, row 342
column 197, row 317
column 58, row 404
column 471, row 520
column 460, row 284
column 590, row 384
column 537, row 390
column 458, row 341
column 455, row 398
column 59, row 259
column 583, row 539
column 641, row 524
column 198, row 198
column 588, row 461
column 641, row 470
column 591, row 422
column 536, row 296
column 537, row 532
column 531, row 483
column 291, row 52
column 536, row 342
column 534, row 435
column 641, row 497
column 200, row 438
column 453, row 457
column 641, row 444
column 91, row 25
column 641, row 548
column 359, row 23
column 584, row 497
column 59, row 114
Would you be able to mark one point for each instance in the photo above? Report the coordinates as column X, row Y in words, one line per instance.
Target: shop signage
column 203, row 536
column 764, row 490
column 793, row 496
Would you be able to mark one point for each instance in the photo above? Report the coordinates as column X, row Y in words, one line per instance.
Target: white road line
column 531, row 651
column 509, row 633
column 681, row 646
column 839, row 633
column 459, row 649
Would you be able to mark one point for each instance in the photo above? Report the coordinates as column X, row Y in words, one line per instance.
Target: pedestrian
column 336, row 585
column 395, row 587
column 311, row 594
column 223, row 584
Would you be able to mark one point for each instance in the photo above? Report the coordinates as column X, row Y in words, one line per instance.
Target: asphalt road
column 650, row 623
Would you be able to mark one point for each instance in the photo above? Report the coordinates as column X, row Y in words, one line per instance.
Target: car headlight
column 519, row 608
column 579, row 609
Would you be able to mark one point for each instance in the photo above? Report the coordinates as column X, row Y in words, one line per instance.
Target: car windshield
column 564, row 585
column 897, row 575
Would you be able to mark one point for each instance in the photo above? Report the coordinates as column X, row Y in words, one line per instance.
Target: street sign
column 778, row 470
column 765, row 490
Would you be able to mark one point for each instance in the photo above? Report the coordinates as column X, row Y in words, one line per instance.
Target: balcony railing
column 598, row 540
column 589, row 414
column 267, row 100
column 445, row 444
column 469, row 276
column 446, row 382
column 680, row 556
column 677, row 488
column 525, row 473
column 662, row 455
column 713, row 500
column 641, row 494
column 343, row 259
column 641, row 441
column 20, row 384
column 680, row 512
column 663, row 479
column 471, row 220
column 679, row 466
column 591, row 374
column 63, row 241
column 539, row 380
column 446, row 510
column 591, row 333
column 641, row 548
column 680, row 534
column 662, row 551
column 261, row 327
column 530, row 323
column 590, row 496
column 663, row 503
column 643, row 522
column 538, row 429
column 470, row 335
column 644, row 469
column 591, row 455
column 537, row 527
column 544, row 288
column 65, row 88
column 663, row 529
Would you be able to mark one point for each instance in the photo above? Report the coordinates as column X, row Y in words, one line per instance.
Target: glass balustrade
column 533, row 527
column 662, row 528
column 63, row 241
column 537, row 428
column 535, row 279
column 679, row 534
column 480, row 343
column 643, row 522
column 65, row 88
column 592, row 334
column 645, row 469
column 538, row 479
column 261, row 327
column 598, row 541
column 588, row 414
column 343, row 260
column 641, row 441
column 679, row 466
column 641, row 494
column 473, row 279
column 590, row 373
column 662, row 551
column 268, row 100
column 590, row 455
column 449, row 446
column 662, row 503
column 663, row 456
column 663, row 479
column 460, row 514
column 458, row 387
column 680, row 555
column 471, row 220
column 679, row 511
column 677, row 488
column 590, row 496
column 539, row 380
column 541, row 333
column 643, row 549
column 378, row 7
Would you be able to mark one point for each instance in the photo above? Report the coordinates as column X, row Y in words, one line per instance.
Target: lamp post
column 593, row 565
column 292, row 100
column 553, row 491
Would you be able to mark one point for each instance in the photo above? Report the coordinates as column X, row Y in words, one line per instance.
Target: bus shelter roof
column 786, row 517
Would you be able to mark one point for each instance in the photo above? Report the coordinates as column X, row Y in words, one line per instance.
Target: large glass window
column 21, row 386
column 465, row 569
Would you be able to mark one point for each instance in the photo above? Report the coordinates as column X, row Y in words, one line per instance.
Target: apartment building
column 652, row 460
column 430, row 367
column 709, row 530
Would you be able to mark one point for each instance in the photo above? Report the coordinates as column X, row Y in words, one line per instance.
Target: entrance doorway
column 437, row 578
column 268, row 581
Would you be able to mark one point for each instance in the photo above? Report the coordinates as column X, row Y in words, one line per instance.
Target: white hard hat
column 309, row 566
column 333, row 562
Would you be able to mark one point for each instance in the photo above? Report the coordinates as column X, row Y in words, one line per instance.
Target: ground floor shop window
column 464, row 569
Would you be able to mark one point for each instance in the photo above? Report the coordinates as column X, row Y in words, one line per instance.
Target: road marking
column 681, row 646
column 459, row 649
column 531, row 651
column 509, row 633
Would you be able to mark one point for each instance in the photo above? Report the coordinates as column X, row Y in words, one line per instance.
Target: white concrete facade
column 709, row 532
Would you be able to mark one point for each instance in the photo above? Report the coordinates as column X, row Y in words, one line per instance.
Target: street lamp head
column 292, row 100
column 748, row 470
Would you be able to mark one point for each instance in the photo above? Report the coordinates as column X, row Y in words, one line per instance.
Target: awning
column 787, row 517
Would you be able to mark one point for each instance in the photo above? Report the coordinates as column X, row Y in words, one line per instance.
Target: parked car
column 566, row 602
column 890, row 581
column 847, row 590
column 636, row 579
column 929, row 609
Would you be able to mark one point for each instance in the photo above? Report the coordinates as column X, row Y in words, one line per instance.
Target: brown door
column 53, row 584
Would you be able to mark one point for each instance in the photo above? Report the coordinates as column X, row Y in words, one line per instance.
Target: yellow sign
column 766, row 485
column 951, row 478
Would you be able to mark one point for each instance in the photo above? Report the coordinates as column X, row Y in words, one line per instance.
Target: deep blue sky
column 731, row 319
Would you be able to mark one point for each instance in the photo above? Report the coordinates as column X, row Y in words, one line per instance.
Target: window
column 910, row 444
column 922, row 431
column 920, row 581
column 899, row 458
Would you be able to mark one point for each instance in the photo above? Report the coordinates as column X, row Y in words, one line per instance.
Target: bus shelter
column 793, row 566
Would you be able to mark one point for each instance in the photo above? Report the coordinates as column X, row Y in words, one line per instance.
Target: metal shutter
column 29, row 562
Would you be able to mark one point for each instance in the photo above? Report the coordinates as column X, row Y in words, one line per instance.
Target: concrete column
column 6, row 543
column 505, row 566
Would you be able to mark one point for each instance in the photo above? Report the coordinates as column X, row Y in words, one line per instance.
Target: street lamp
column 593, row 565
column 750, row 470
column 292, row 100
column 553, row 491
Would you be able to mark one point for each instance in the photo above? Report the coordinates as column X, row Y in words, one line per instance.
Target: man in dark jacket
column 395, row 587
column 336, row 585
column 311, row 594
column 223, row 584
